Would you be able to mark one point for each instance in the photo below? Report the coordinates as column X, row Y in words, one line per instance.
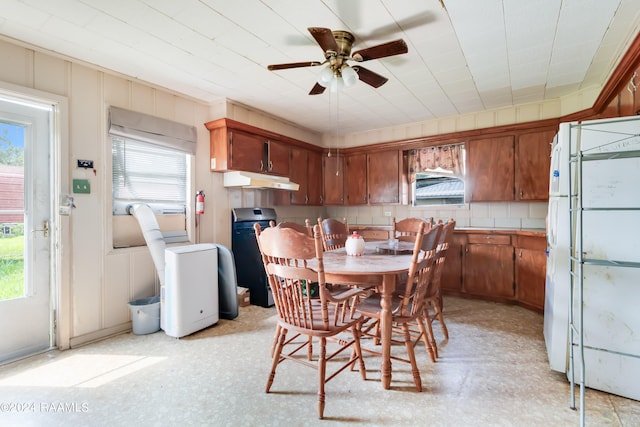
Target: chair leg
column 412, row 356
column 322, row 372
column 440, row 317
column 282, row 336
column 275, row 339
column 358, row 351
column 426, row 333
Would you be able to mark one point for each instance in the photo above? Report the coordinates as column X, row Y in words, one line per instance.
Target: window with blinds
column 148, row 173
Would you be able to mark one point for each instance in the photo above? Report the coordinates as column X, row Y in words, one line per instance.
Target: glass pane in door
column 12, row 284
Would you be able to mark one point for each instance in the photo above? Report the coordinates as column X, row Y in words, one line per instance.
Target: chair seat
column 339, row 321
column 370, row 308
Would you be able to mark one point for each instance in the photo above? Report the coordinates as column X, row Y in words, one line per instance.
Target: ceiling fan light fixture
column 325, row 77
column 336, row 85
column 349, row 76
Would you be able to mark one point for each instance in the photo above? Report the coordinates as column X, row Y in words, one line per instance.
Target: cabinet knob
column 270, row 165
column 261, row 165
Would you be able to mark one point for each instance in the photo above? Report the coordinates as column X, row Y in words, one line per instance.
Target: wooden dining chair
column 285, row 254
column 433, row 298
column 334, row 233
column 407, row 306
column 406, row 229
column 305, row 229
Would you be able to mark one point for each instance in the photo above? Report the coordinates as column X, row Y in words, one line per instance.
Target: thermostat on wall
column 87, row 164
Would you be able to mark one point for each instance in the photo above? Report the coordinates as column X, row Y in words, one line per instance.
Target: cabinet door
column 531, row 261
column 333, row 172
column 314, row 178
column 298, row 174
column 452, row 268
column 489, row 267
column 626, row 99
column 490, row 169
column 247, row 152
column 355, row 179
column 634, row 83
column 384, row 177
column 278, row 159
column 533, row 159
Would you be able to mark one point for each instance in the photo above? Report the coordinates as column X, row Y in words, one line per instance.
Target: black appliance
column 248, row 260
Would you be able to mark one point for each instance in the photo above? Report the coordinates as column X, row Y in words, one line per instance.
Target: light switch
column 81, row 186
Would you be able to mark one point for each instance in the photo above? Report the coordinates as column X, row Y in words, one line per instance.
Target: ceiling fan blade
column 369, row 77
column 293, row 65
column 325, row 38
column 395, row 47
column 317, row 89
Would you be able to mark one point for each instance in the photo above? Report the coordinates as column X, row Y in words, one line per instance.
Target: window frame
column 441, row 173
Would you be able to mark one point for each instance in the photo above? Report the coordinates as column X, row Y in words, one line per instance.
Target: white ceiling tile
column 475, row 55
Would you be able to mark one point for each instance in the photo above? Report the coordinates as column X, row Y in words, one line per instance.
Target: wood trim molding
column 456, row 137
column 619, row 78
column 232, row 124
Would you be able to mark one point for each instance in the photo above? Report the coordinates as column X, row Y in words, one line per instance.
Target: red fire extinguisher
column 200, row 202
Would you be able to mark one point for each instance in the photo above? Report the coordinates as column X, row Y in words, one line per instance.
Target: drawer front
column 489, row 239
column 530, row 242
column 375, row 234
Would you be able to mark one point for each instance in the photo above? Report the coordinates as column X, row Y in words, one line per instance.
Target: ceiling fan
column 337, row 51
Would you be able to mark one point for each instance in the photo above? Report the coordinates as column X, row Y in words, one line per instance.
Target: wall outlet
column 387, row 213
column 81, row 186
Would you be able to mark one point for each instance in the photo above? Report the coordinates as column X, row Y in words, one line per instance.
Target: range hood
column 258, row 180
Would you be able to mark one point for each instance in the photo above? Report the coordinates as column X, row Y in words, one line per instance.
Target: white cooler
column 189, row 297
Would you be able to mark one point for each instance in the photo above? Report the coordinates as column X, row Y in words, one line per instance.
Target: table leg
column 388, row 286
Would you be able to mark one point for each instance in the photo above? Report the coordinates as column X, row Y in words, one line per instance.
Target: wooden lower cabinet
column 531, row 260
column 452, row 270
column 497, row 266
column 489, row 266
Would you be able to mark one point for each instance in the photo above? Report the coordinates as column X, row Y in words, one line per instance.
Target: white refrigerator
column 607, row 230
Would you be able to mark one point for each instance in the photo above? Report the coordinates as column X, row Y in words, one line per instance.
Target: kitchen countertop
column 535, row 232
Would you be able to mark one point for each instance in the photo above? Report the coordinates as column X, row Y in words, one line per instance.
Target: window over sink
column 437, row 175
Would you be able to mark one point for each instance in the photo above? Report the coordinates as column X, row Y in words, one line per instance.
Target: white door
column 25, row 214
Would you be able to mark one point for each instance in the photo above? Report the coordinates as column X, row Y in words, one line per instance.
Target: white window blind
column 147, row 173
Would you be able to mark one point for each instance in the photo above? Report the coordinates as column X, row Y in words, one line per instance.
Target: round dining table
column 378, row 268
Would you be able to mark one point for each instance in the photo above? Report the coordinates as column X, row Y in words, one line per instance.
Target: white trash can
column 145, row 315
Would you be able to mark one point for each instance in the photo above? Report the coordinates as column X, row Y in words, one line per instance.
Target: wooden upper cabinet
column 306, row 170
column 490, row 169
column 626, row 100
column 355, row 179
column 236, row 150
column 314, row 168
column 384, row 177
column 533, row 159
column 333, row 173
column 238, row 147
column 277, row 158
column 298, row 174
